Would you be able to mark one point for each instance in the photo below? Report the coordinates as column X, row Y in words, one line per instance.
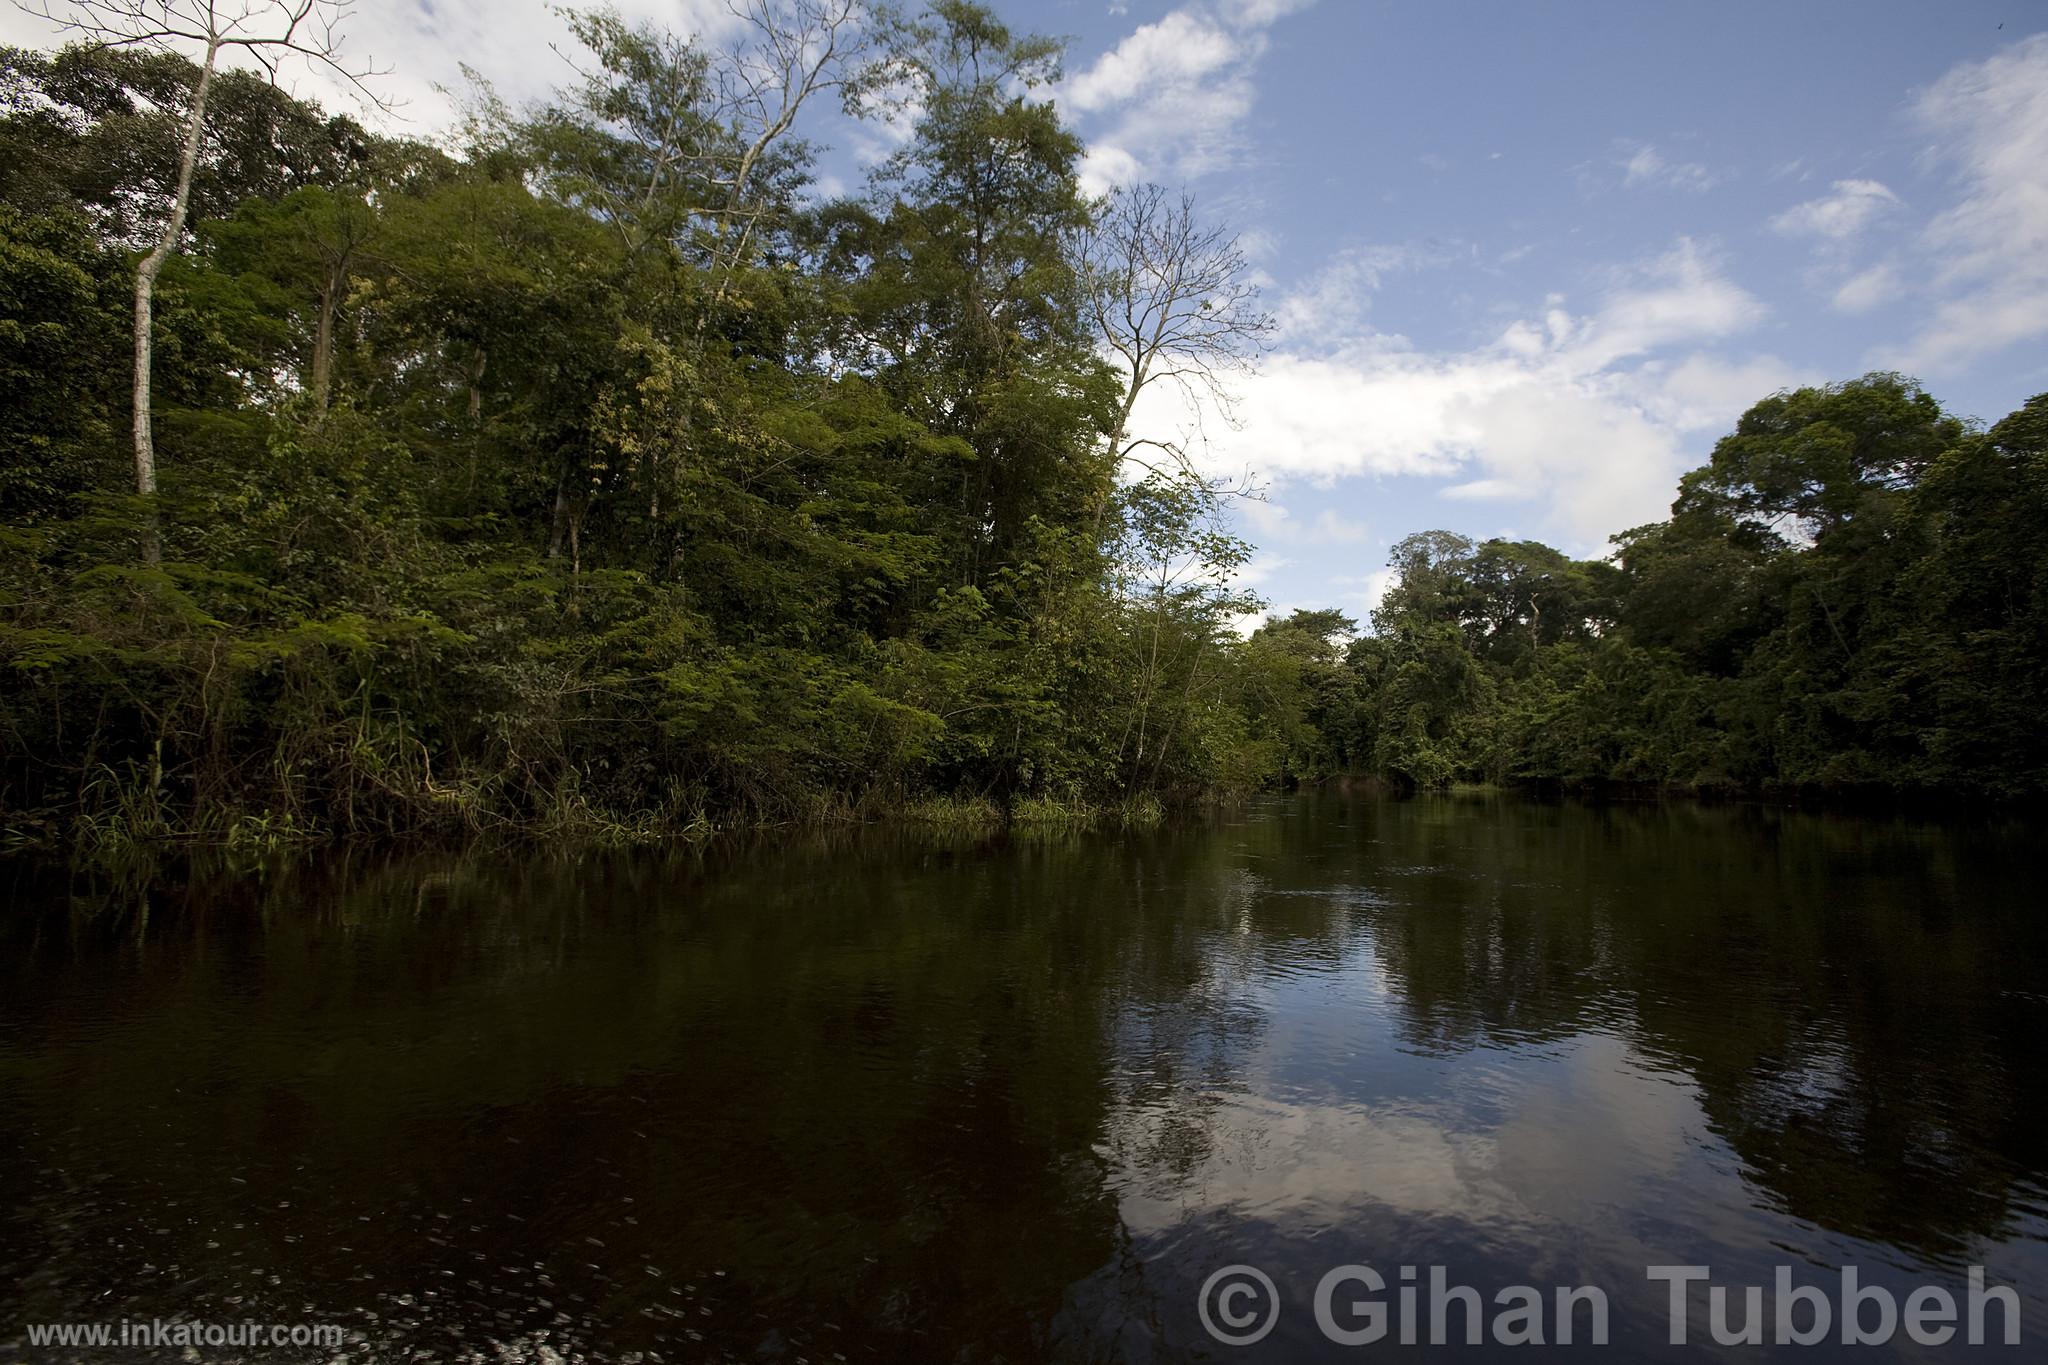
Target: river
column 890, row 1097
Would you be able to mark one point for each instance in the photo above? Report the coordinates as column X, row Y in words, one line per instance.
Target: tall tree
column 1172, row 299
column 968, row 300
column 308, row 243
column 268, row 33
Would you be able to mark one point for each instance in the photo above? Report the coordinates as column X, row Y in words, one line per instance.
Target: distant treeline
column 597, row 474
column 1852, row 596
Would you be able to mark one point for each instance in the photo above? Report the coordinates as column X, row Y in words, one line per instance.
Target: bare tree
column 1172, row 300
column 701, row 122
column 703, row 125
column 794, row 50
column 268, row 33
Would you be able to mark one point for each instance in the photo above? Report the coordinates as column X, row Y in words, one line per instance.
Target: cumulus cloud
column 1679, row 296
column 1260, row 13
column 1990, row 121
column 1704, row 393
column 1587, row 418
column 1180, row 49
column 1480, row 490
column 1171, row 98
column 1852, row 206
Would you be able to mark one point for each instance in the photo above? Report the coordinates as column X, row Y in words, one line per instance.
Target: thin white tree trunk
column 323, row 342
column 145, row 295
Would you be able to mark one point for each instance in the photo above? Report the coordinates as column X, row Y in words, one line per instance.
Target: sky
column 1528, row 261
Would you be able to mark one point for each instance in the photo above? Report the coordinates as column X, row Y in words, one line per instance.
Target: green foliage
column 593, row 483
column 1849, row 597
column 599, row 482
column 99, row 130
column 61, row 351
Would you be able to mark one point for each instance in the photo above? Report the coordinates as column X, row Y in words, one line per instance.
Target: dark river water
column 886, row 1098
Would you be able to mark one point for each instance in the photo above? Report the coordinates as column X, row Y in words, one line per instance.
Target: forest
column 591, row 471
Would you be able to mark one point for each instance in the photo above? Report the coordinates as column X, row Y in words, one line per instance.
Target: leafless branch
column 796, row 48
column 1171, row 300
column 269, row 32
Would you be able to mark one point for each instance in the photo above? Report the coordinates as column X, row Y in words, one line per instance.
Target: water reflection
column 894, row 1101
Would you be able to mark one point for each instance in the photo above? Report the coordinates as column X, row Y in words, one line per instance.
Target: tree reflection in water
column 897, row 1099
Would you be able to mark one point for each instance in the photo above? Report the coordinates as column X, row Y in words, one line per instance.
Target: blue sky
column 1529, row 260
column 1532, row 260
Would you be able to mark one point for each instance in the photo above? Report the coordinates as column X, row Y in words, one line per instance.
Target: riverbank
column 132, row 829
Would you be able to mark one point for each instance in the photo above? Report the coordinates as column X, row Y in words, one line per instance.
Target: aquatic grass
column 138, row 815
column 1143, row 811
column 1054, row 815
column 1031, row 815
column 975, row 814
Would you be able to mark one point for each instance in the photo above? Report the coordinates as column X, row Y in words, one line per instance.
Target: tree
column 1523, row 595
column 102, row 129
column 1171, row 299
column 308, row 243
column 1298, row 691
column 793, row 51
column 1816, row 459
column 966, row 303
column 267, row 32
column 1175, row 566
column 57, row 337
column 1430, row 569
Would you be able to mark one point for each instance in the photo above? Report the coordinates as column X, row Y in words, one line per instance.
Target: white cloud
column 1705, row 393
column 1180, row 49
column 1331, row 527
column 896, row 111
column 1256, row 572
column 1590, row 418
column 1872, row 288
column 1334, row 299
column 1357, row 595
column 1991, row 249
column 1265, row 517
column 424, row 46
column 1272, row 521
column 1372, row 591
column 1852, row 206
column 1172, row 96
column 1260, row 13
column 1485, row 490
column 1679, row 296
column 1258, row 243
column 1104, row 167
column 1645, row 166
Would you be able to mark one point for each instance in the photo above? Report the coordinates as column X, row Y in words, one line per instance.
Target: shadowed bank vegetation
column 601, row 476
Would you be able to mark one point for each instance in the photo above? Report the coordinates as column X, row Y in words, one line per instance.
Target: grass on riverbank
column 131, row 817
column 1033, row 814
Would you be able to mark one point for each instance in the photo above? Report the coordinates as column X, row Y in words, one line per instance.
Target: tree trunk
column 323, row 343
column 145, row 297
column 558, row 531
